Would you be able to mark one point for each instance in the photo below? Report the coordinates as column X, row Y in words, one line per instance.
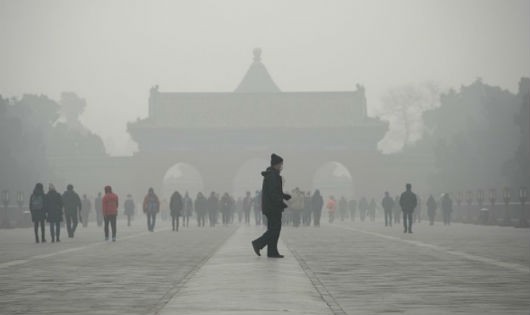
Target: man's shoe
column 275, row 256
column 256, row 248
column 410, row 231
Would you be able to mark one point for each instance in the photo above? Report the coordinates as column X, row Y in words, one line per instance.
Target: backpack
column 152, row 205
column 37, row 202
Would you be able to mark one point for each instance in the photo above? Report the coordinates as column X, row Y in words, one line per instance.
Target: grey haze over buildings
column 112, row 52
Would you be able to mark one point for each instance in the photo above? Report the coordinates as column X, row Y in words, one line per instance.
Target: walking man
column 388, row 205
column 53, row 206
column 129, row 208
column 201, row 207
column 408, row 202
column 447, row 208
column 72, row 208
column 431, row 209
column 86, row 207
column 151, row 207
column 272, row 205
column 317, row 202
column 176, row 205
column 247, row 205
column 188, row 210
column 99, row 209
column 257, row 208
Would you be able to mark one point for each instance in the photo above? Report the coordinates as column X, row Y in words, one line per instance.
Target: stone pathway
column 345, row 268
column 236, row 281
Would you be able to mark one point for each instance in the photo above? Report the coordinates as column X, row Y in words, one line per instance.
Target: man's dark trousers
column 71, row 221
column 407, row 220
column 388, row 217
column 272, row 235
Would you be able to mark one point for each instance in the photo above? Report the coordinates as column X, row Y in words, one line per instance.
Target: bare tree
column 403, row 108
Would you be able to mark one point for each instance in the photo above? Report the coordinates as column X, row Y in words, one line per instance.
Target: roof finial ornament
column 257, row 54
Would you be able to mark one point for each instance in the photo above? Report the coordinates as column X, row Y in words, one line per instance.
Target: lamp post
column 20, row 199
column 469, row 200
column 483, row 217
column 493, row 214
column 20, row 203
column 507, row 196
column 523, row 196
column 5, row 202
column 459, row 198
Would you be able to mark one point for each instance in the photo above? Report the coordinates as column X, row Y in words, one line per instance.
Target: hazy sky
column 112, row 52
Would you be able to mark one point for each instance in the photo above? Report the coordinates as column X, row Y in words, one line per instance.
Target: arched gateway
column 217, row 133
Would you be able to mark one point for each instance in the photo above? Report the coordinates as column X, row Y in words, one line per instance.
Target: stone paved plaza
column 344, row 268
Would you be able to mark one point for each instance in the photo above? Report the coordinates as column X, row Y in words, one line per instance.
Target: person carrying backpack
column 38, row 215
column 151, row 207
column 72, row 208
column 176, row 205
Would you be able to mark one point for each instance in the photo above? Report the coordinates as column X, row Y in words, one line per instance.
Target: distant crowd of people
column 302, row 209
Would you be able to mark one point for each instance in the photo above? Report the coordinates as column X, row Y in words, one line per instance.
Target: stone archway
column 248, row 176
column 334, row 178
column 182, row 177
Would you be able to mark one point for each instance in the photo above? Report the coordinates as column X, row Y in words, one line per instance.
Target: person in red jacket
column 110, row 211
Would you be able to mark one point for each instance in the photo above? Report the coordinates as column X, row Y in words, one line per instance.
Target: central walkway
column 270, row 286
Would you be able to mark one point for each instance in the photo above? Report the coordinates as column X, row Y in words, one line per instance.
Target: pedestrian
column 239, row 209
column 176, row 205
column 99, row 209
column 110, row 211
column 201, row 208
column 372, row 207
column 352, row 205
column 308, row 209
column 151, row 207
column 129, row 208
column 297, row 204
column 332, row 208
column 273, row 205
column 247, row 205
column 363, row 208
column 343, row 208
column 397, row 210
column 188, row 210
column 388, row 204
column 213, row 205
column 417, row 212
column 257, row 208
column 225, row 206
column 317, row 202
column 86, row 208
column 72, row 208
column 408, row 202
column 53, row 206
column 431, row 209
column 447, row 208
column 38, row 213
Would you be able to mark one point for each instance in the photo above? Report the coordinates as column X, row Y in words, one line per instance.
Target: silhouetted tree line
column 34, row 128
column 478, row 137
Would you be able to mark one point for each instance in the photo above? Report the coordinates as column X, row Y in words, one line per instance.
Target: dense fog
column 167, row 94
